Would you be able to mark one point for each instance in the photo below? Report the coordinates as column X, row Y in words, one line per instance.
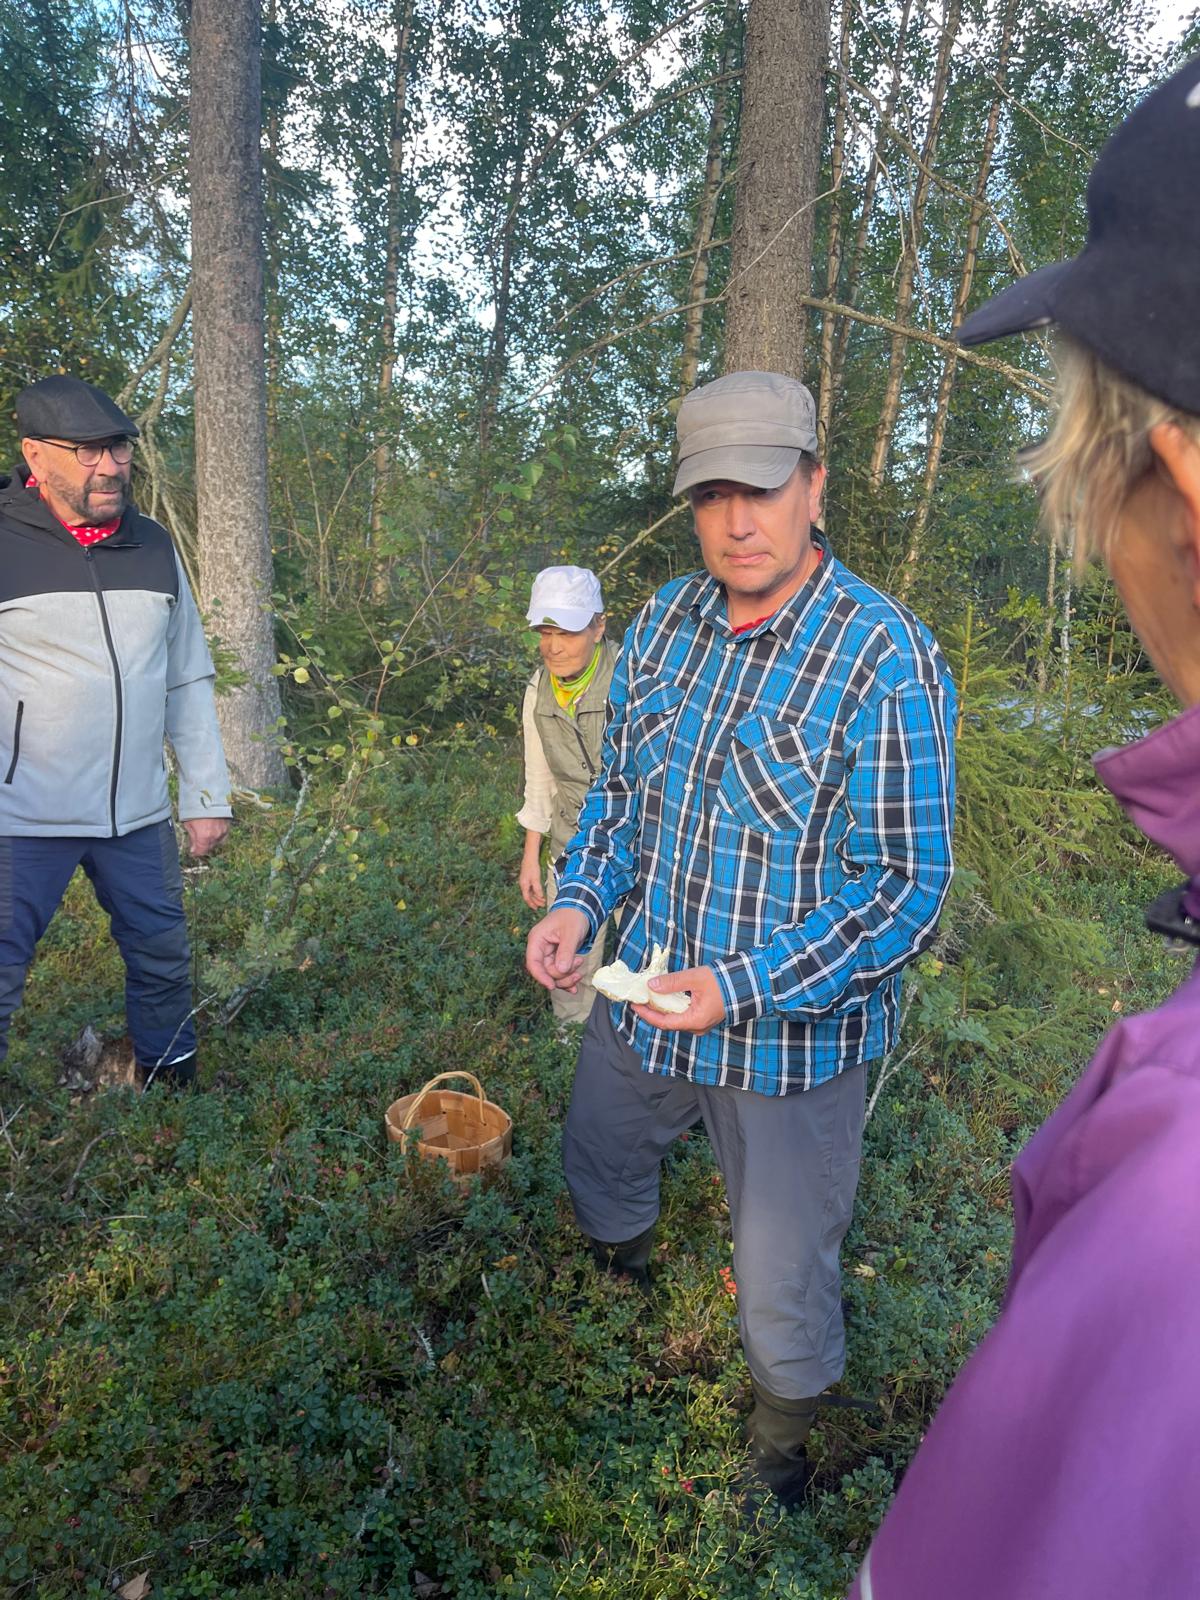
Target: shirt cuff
column 745, row 985
column 533, row 820
column 582, row 897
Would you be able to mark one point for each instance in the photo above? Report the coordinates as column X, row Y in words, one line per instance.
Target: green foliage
column 251, row 1346
column 248, row 1344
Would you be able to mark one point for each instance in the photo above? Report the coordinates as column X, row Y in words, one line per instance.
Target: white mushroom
column 617, row 982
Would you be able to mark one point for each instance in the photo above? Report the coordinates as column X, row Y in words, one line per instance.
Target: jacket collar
column 27, row 508
column 1156, row 781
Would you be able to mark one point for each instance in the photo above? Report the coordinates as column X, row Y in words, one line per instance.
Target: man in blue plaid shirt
column 775, row 809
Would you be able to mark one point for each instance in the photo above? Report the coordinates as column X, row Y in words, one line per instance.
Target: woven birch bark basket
column 468, row 1132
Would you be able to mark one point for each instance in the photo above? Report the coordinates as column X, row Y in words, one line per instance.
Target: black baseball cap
column 1132, row 294
column 67, row 408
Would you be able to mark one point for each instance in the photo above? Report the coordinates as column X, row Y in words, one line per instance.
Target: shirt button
column 706, row 716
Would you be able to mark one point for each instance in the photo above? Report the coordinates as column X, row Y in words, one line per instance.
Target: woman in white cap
column 563, row 721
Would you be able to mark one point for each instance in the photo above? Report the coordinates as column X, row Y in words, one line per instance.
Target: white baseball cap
column 564, row 597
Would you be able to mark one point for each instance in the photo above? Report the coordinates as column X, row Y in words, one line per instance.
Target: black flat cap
column 68, row 408
column 1132, row 294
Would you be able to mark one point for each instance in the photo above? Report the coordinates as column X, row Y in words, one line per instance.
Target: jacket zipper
column 112, row 656
column 12, row 766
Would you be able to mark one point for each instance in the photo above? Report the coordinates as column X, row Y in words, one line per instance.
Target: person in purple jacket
column 1065, row 1460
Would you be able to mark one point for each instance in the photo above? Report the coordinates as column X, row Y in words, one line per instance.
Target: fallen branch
column 69, row 1191
column 1028, row 382
column 158, row 356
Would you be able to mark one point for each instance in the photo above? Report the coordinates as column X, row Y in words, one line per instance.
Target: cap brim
column 1029, row 303
column 128, row 430
column 762, row 466
column 573, row 618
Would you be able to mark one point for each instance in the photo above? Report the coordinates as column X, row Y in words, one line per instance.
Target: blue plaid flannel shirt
column 776, row 805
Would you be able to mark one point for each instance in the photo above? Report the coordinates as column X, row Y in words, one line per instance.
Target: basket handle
column 410, row 1116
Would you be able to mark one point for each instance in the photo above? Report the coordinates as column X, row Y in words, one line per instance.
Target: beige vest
column 572, row 744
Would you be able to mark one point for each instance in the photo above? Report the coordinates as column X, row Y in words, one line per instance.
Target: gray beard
column 77, row 503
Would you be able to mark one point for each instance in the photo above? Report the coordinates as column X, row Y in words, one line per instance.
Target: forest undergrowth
column 247, row 1349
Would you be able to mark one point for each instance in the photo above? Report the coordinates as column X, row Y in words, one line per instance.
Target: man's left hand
column 205, row 833
column 706, row 1011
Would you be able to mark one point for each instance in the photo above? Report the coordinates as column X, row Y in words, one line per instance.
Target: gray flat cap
column 67, row 408
column 748, row 427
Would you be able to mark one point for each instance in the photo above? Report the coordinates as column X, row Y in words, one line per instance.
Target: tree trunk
column 833, row 266
column 850, row 293
column 779, row 160
column 911, row 247
column 1047, row 639
column 271, row 251
column 227, row 336
column 496, row 361
column 713, row 173
column 937, row 436
column 391, row 281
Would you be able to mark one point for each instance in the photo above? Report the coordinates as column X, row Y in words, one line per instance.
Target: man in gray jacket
column 102, row 656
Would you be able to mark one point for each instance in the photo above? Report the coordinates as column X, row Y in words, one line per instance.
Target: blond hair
column 1097, row 450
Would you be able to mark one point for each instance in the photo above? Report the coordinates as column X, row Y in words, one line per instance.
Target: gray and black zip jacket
column 102, row 656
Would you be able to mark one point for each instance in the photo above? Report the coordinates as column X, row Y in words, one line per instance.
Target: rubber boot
column 630, row 1259
column 777, row 1431
column 172, row 1074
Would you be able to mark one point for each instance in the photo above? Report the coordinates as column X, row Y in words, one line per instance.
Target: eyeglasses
column 91, row 455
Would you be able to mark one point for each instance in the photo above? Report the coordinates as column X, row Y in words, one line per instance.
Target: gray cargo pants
column 790, row 1165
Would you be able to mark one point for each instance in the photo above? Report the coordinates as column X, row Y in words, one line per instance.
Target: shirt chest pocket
column 779, row 774
column 650, row 713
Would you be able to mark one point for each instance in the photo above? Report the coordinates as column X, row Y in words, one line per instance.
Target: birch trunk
column 391, row 281
column 850, row 294
column 937, row 436
column 714, row 168
column 910, row 252
column 833, row 267
column 497, row 356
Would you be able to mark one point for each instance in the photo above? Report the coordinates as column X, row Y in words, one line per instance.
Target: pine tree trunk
column 779, row 159
column 271, row 250
column 714, row 171
column 909, row 253
column 391, row 282
column 833, row 266
column 850, row 292
column 227, row 337
column 937, row 435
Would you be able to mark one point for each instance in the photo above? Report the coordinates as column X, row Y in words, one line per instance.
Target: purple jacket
column 1065, row 1460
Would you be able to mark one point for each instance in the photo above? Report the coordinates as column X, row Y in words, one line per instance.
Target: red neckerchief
column 746, row 626
column 86, row 533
